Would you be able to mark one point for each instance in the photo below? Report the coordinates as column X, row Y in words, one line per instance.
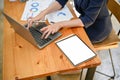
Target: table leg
column 90, row 73
column 48, row 78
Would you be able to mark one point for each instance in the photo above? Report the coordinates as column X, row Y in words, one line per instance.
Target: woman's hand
column 50, row 29
column 36, row 19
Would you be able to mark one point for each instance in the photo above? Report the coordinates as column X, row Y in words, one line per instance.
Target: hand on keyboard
column 50, row 29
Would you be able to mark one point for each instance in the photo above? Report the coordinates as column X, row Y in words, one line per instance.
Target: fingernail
column 45, row 37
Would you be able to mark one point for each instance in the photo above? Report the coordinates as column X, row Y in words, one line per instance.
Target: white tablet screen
column 75, row 49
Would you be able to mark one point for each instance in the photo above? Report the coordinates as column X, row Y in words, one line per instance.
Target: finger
column 43, row 29
column 44, row 33
column 29, row 23
column 27, row 27
column 53, row 31
column 37, row 23
column 46, row 36
column 29, row 19
column 34, row 24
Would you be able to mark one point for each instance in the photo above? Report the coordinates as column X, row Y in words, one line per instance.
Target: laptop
column 33, row 34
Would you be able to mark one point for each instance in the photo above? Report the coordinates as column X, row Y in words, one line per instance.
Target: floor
column 105, row 67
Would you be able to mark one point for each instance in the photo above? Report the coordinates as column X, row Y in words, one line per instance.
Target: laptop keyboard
column 37, row 35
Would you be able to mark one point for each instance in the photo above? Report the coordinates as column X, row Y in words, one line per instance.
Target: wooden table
column 22, row 60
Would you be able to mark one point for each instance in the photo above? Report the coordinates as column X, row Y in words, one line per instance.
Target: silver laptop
column 33, row 34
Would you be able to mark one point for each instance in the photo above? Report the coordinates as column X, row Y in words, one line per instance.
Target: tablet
column 75, row 49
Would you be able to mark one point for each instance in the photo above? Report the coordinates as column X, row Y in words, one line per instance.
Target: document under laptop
column 33, row 34
column 75, row 49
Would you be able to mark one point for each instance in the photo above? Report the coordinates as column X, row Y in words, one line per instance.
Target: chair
column 112, row 40
column 114, row 7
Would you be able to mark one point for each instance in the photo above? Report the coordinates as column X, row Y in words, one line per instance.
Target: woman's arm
column 53, row 7
column 71, row 23
column 51, row 29
column 58, row 4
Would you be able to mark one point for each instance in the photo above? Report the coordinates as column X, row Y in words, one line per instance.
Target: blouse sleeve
column 91, row 12
column 62, row 2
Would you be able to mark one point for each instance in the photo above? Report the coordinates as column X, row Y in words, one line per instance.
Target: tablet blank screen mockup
column 75, row 49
